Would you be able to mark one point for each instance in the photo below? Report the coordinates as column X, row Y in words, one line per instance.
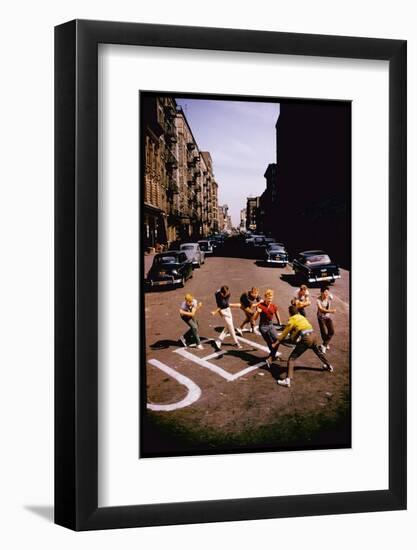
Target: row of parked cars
column 310, row 266
column 267, row 249
column 175, row 266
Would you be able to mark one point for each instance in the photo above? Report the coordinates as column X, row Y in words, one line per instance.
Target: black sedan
column 275, row 254
column 169, row 269
column 314, row 266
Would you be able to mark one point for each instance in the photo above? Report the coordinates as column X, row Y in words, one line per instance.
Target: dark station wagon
column 170, row 268
column 314, row 266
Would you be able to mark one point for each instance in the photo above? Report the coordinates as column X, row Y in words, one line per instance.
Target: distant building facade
column 242, row 225
column 225, row 220
column 210, row 191
column 252, row 206
column 179, row 190
column 157, row 121
column 267, row 212
column 313, row 201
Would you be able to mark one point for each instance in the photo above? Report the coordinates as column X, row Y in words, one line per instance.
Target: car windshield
column 166, row 260
column 188, row 247
column 319, row 259
column 276, row 247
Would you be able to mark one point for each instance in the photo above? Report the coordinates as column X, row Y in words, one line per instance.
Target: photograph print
column 245, row 213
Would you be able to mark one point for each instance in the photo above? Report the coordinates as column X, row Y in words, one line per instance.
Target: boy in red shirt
column 267, row 311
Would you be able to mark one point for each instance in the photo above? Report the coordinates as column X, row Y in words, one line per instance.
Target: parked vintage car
column 206, row 247
column 275, row 254
column 194, row 253
column 219, row 238
column 170, row 268
column 253, row 240
column 215, row 244
column 313, row 266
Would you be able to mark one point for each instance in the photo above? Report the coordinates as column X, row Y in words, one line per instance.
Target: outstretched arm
column 285, row 332
column 258, row 311
column 184, row 313
column 278, row 317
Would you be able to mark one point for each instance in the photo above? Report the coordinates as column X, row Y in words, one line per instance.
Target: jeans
column 226, row 315
column 192, row 332
column 308, row 341
column 326, row 329
column 269, row 334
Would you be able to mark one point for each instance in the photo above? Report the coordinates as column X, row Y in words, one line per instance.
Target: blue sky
column 240, row 137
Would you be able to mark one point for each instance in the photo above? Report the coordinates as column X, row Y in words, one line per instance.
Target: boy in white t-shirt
column 188, row 310
column 324, row 311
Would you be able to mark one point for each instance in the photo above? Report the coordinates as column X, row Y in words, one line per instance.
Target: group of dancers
column 298, row 329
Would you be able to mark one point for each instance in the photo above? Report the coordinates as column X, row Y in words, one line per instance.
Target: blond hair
column 189, row 297
column 269, row 292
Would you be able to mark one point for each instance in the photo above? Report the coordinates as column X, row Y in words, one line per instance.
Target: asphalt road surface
column 203, row 401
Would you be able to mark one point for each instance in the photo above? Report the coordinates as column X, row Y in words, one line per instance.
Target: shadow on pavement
column 164, row 344
column 262, row 263
column 148, row 289
column 291, row 279
column 309, row 369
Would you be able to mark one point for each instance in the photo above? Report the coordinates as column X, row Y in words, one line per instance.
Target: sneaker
column 268, row 362
column 183, row 342
column 239, row 331
column 238, row 346
column 286, row 382
column 327, row 367
column 322, row 348
column 217, row 345
column 199, row 346
column 327, row 347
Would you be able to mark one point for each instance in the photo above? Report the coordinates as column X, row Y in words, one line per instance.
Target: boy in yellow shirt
column 296, row 326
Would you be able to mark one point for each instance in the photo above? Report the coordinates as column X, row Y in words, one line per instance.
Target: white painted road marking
column 194, row 392
column 214, row 355
column 255, row 345
column 215, row 368
column 206, row 364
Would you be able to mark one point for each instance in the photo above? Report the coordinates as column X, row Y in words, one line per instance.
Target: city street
column 208, row 401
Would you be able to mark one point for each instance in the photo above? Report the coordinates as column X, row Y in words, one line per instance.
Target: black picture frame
column 76, row 273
